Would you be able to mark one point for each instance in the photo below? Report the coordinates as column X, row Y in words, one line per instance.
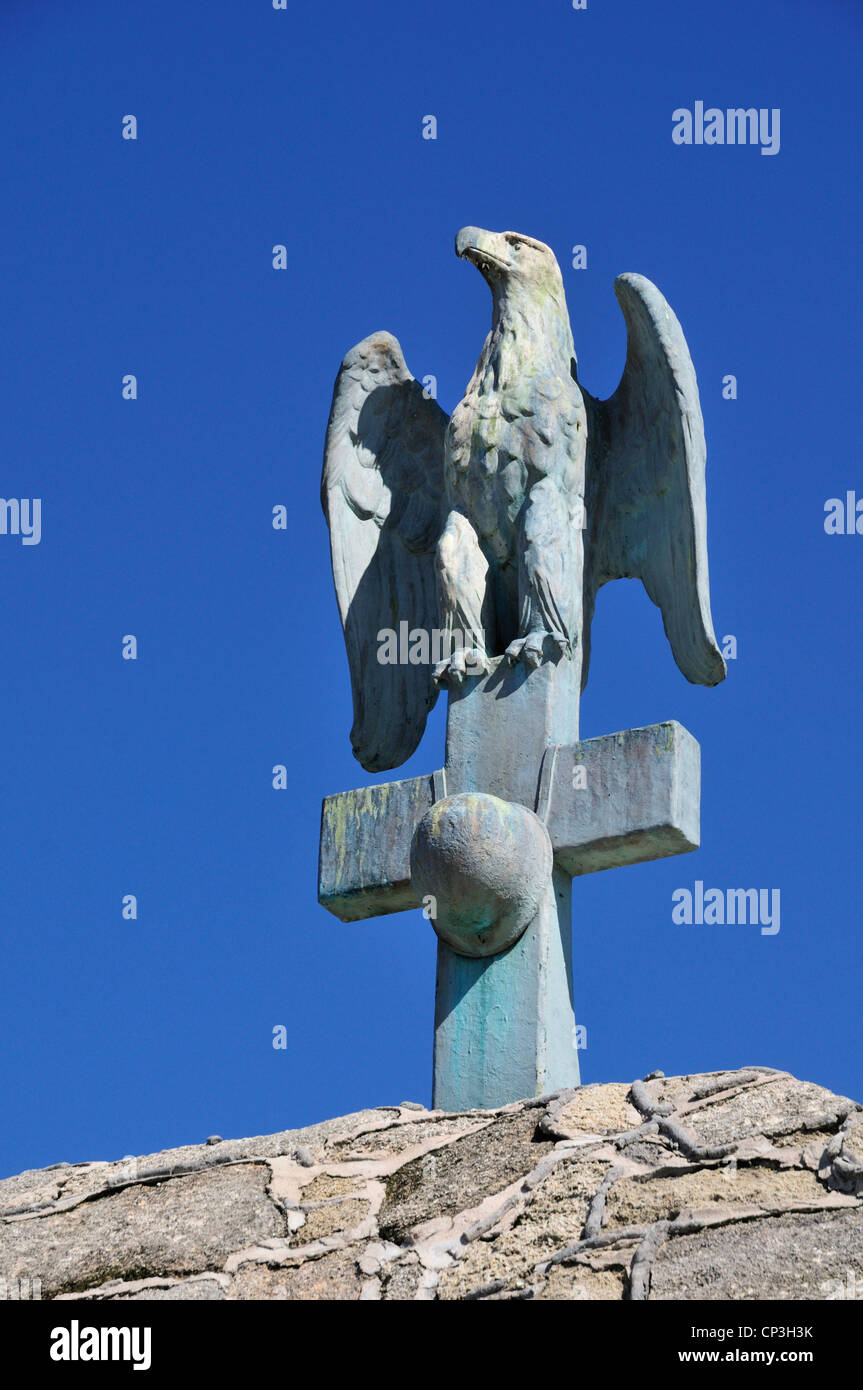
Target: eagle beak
column 468, row 240
column 482, row 248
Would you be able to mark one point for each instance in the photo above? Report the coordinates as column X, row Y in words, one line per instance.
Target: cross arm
column 364, row 867
column 620, row 799
column 623, row 798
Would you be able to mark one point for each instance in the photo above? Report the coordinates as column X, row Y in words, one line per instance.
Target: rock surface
column 726, row 1185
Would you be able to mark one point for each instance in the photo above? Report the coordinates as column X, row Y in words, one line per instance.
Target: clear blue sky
column 153, row 777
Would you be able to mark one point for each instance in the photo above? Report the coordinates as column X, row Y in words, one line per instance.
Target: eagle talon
column 538, row 647
column 463, row 662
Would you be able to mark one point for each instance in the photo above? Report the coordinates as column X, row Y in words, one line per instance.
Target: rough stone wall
column 727, row 1185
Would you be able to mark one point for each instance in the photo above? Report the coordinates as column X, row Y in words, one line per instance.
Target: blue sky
column 153, row 777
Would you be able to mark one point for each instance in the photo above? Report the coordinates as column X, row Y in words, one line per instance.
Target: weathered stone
column 402, row 1279
column 799, row 1141
column 187, row 1290
column 598, row 1110
column 681, row 1092
column 558, row 1206
column 651, row 1153
column 484, row 862
column 335, row 1217
column 397, row 1138
column 81, row 1180
column 461, row 1175
column 554, row 1219
column 776, row 1107
column 578, row 1283
column 365, row 852
column 35, row 1187
column 639, row 1201
column 640, row 798
column 852, row 1144
column 176, row 1227
column 513, row 1204
column 325, row 1186
column 797, row 1256
column 333, row 1277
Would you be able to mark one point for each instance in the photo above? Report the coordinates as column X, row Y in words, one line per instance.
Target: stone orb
column 486, row 863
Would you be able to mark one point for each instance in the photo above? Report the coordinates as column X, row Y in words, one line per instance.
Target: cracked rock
column 729, row 1185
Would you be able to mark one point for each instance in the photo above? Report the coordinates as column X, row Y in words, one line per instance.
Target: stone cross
column 489, row 845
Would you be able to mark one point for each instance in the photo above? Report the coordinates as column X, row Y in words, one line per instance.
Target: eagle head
column 511, row 262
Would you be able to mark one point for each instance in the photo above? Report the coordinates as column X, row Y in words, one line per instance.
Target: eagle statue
column 497, row 525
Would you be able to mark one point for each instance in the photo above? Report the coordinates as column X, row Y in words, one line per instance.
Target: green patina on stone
column 497, row 526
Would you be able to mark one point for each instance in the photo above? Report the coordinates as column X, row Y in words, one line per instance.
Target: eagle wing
column 382, row 491
column 645, row 492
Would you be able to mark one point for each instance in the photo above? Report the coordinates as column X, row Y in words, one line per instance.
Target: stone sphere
column 486, row 863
